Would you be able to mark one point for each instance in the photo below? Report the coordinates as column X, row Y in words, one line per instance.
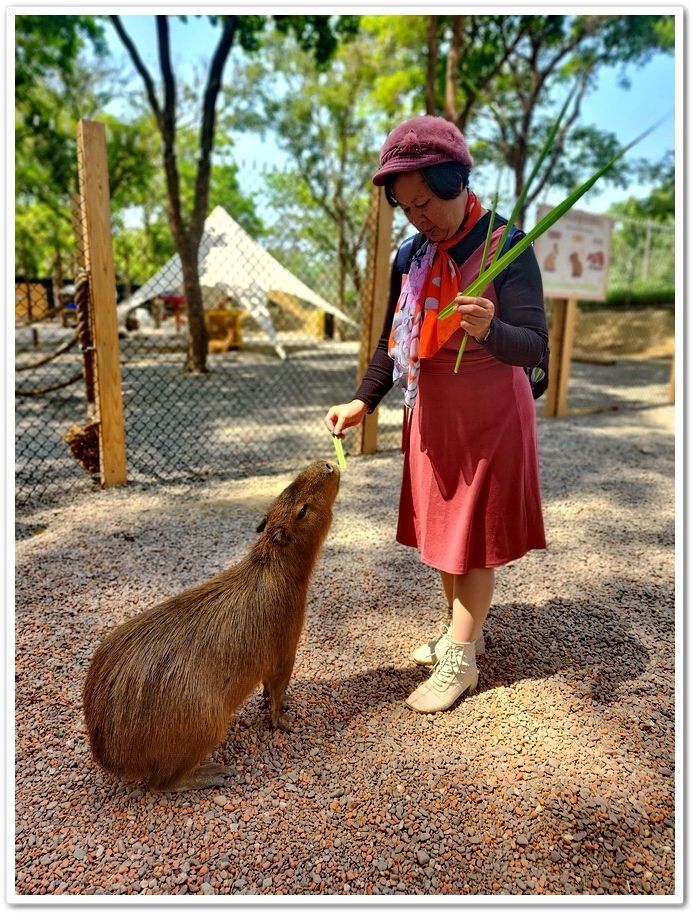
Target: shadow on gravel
column 523, row 642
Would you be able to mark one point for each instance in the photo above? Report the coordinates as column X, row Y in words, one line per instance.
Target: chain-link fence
column 280, row 353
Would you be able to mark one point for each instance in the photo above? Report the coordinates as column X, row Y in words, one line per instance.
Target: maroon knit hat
column 419, row 142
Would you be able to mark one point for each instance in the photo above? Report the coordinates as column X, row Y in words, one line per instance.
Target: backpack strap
column 407, row 249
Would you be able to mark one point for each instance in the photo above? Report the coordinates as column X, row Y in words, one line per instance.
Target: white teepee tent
column 231, row 263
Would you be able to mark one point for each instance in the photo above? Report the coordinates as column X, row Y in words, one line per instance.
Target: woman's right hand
column 343, row 416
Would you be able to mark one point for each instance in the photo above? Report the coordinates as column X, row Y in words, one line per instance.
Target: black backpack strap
column 407, row 249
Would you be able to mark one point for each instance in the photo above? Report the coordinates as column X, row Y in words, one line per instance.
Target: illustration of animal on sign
column 550, row 259
column 161, row 687
column 575, row 264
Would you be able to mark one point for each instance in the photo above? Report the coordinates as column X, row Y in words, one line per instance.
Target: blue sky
column 627, row 113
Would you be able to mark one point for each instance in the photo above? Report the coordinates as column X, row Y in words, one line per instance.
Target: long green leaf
column 521, row 200
column 478, row 285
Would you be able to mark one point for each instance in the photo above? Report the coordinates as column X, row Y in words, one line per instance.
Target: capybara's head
column 299, row 519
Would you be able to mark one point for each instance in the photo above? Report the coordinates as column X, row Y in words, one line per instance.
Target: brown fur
column 161, row 687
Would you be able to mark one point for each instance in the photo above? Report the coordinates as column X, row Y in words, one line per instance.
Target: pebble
column 555, row 777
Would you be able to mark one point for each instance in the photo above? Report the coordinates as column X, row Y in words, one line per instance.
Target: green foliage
column 659, row 204
column 54, row 88
column 51, row 88
column 319, row 35
column 330, row 88
column 643, row 244
column 624, row 297
column 51, row 45
column 642, row 257
column 325, row 126
column 499, row 78
column 399, row 44
column 63, row 81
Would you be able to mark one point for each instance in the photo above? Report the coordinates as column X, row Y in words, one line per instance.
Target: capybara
column 161, row 688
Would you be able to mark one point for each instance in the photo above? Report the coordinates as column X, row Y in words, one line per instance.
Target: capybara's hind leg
column 203, row 777
column 274, row 692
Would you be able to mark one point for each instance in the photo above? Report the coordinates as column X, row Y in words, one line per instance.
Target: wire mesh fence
column 280, row 354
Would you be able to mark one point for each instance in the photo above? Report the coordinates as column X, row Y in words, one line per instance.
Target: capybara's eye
column 303, row 511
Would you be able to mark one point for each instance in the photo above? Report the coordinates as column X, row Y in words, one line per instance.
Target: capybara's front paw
column 282, row 722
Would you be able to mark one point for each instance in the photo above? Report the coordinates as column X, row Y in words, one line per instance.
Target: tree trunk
column 431, row 75
column 197, row 348
column 454, row 58
column 187, row 238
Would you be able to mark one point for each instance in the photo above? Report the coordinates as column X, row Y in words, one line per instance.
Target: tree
column 557, row 55
column 319, row 33
column 659, row 204
column 321, row 123
column 502, row 80
column 56, row 86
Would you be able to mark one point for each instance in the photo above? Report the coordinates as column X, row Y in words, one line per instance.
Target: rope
column 84, row 336
column 26, row 392
column 47, row 359
column 84, row 332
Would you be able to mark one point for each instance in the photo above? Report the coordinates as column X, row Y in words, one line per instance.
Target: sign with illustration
column 574, row 255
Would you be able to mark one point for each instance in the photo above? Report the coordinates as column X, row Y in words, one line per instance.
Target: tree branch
column 139, row 65
column 168, row 129
column 207, row 135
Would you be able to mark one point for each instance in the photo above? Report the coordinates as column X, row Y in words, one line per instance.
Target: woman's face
column 438, row 219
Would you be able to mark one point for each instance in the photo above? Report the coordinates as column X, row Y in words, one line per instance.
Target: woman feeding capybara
column 162, row 687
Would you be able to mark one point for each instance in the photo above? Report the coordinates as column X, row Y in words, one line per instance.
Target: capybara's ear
column 261, row 525
column 280, row 536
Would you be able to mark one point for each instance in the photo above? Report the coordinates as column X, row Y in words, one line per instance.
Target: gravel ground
column 557, row 777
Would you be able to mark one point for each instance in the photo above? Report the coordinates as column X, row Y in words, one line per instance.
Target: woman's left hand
column 477, row 314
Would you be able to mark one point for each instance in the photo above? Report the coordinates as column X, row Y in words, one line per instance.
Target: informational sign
column 574, row 255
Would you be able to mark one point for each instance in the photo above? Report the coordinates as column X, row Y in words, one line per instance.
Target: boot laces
column 447, row 668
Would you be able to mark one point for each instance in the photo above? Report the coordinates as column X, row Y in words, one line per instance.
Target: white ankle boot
column 454, row 674
column 431, row 652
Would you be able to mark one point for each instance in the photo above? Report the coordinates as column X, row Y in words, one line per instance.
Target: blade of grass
column 462, row 348
column 550, row 140
column 475, row 288
column 340, row 455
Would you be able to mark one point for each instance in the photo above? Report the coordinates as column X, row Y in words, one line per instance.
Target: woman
column 470, row 497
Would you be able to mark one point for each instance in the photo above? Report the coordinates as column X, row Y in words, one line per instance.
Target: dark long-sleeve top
column 518, row 337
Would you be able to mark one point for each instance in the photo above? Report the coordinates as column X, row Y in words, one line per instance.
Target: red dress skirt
column 470, row 494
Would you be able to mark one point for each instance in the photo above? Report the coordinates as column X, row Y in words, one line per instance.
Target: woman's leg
column 470, row 595
column 448, row 585
column 433, row 650
column 456, row 671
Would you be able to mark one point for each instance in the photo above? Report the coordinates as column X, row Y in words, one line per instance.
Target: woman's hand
column 477, row 314
column 343, row 416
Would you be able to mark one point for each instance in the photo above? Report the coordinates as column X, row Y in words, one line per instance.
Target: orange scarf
column 432, row 283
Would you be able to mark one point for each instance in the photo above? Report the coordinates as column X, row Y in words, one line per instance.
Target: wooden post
column 373, row 301
column 673, row 380
column 561, row 344
column 99, row 262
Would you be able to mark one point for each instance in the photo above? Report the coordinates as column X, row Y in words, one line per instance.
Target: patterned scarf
column 432, row 283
